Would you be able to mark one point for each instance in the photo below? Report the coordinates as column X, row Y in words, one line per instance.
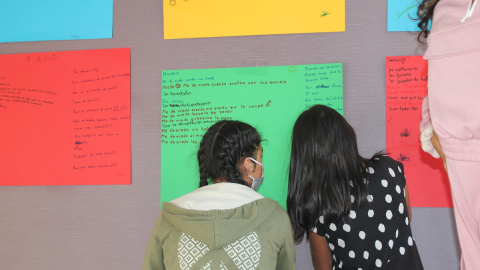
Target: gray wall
column 107, row 227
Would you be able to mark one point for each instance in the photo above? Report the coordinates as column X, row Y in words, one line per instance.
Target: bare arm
column 438, row 147
column 407, row 199
column 321, row 254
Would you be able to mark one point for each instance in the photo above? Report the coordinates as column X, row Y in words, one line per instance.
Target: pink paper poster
column 406, row 83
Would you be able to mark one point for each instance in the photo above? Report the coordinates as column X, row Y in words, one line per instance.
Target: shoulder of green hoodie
column 219, row 214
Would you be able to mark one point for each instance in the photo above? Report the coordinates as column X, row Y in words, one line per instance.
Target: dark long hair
column 425, row 15
column 325, row 169
column 222, row 149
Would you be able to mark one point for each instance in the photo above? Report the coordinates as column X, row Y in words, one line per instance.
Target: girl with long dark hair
column 354, row 211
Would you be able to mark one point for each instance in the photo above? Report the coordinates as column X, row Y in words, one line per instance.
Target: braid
column 230, row 155
column 222, row 149
column 425, row 15
column 204, row 157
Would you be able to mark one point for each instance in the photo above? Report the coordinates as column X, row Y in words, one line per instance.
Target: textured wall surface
column 107, row 227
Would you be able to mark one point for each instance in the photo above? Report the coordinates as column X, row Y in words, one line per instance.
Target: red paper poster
column 406, row 81
column 65, row 118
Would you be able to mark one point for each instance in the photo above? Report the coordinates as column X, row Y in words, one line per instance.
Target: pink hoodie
column 454, row 79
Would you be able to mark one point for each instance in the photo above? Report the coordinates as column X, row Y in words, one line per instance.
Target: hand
column 438, row 147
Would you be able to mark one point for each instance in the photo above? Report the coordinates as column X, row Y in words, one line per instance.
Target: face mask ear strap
column 256, row 161
column 258, row 164
column 247, row 172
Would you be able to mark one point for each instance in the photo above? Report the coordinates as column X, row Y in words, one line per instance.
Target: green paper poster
column 268, row 98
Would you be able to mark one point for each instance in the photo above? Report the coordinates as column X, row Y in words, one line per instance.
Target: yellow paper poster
column 217, row 18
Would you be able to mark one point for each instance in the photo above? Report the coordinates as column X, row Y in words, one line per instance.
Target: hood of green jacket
column 218, row 228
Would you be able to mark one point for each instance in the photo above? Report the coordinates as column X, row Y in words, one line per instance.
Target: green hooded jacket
column 254, row 236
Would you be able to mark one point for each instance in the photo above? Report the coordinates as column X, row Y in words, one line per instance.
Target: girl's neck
column 220, row 180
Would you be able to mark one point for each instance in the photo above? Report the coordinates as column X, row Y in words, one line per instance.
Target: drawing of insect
column 292, row 69
column 403, row 158
column 324, row 13
column 405, row 133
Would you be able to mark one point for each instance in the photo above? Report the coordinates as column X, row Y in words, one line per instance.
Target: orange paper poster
column 219, row 18
column 406, row 81
column 65, row 118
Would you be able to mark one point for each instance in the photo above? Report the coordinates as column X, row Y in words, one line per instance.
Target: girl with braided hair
column 225, row 224
column 450, row 117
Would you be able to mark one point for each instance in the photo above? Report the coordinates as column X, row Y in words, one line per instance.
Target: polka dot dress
column 379, row 231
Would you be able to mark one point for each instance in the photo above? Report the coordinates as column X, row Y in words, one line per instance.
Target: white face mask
column 256, row 182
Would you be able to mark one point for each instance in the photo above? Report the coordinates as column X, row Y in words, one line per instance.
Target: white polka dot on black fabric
column 334, row 257
column 384, row 183
column 389, row 214
column 381, row 227
column 365, row 255
column 384, row 210
column 392, row 173
column 406, row 220
column 378, row 245
column 314, row 229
